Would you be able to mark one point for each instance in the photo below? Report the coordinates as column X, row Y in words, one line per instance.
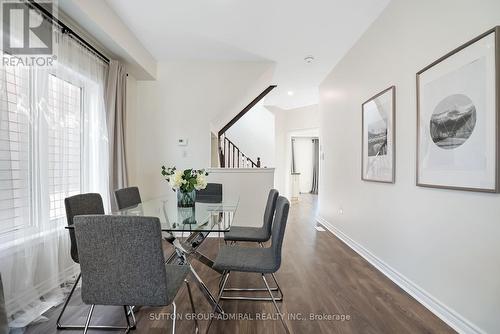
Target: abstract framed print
column 378, row 137
column 457, row 118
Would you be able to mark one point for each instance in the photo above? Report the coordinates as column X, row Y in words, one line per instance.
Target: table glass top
column 214, row 217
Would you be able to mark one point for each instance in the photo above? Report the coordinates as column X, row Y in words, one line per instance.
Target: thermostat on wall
column 182, row 142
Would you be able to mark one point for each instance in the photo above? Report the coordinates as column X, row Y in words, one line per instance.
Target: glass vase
column 186, row 199
column 186, row 216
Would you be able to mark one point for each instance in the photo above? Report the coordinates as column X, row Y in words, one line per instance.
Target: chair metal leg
column 87, row 323
column 59, row 326
column 275, row 305
column 221, row 281
column 86, row 327
column 226, row 276
column 174, row 318
column 277, row 298
column 204, row 289
column 197, row 329
column 277, row 288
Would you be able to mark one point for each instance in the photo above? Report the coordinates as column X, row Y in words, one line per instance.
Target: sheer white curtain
column 89, row 72
column 53, row 144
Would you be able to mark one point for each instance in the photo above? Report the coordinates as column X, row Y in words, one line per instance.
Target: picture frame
column 378, row 138
column 458, row 117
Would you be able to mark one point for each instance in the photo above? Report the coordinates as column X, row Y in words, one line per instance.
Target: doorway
column 304, row 161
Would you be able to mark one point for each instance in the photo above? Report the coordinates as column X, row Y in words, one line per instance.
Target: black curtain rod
column 67, row 29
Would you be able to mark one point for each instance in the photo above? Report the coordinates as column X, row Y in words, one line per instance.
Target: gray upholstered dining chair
column 264, row 260
column 260, row 235
column 122, row 263
column 4, row 326
column 82, row 204
column 256, row 234
column 211, row 194
column 127, row 197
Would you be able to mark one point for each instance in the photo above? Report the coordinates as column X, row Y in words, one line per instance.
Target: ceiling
column 279, row 31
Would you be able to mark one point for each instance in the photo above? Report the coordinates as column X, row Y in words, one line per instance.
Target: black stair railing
column 232, row 157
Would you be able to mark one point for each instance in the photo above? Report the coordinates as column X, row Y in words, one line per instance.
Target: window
column 64, row 143
column 40, row 151
column 15, row 196
column 53, row 144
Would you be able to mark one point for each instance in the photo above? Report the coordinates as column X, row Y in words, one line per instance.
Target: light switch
column 182, row 142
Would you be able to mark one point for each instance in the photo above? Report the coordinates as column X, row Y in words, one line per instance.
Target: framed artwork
column 457, row 118
column 378, row 139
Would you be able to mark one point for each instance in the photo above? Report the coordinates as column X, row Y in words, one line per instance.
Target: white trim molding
column 445, row 313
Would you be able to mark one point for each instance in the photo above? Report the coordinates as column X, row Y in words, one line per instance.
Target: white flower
column 201, row 182
column 176, row 180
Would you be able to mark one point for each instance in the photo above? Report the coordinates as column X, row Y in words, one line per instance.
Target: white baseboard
column 449, row 316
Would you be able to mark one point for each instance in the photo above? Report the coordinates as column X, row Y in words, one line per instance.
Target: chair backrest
column 270, row 209
column 121, row 260
column 127, row 197
column 279, row 225
column 211, row 194
column 83, row 204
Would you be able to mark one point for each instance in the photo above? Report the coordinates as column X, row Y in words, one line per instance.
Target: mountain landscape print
column 377, row 138
column 453, row 121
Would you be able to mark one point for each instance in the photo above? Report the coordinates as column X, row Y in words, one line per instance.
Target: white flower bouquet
column 185, row 182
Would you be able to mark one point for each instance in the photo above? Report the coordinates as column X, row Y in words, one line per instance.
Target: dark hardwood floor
column 320, row 276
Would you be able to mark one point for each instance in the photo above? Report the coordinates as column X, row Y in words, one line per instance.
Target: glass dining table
column 196, row 223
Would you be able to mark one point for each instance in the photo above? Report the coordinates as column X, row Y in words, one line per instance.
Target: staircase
column 230, row 156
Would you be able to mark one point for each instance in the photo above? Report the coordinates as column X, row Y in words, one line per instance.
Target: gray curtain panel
column 115, row 98
column 4, row 328
column 293, row 156
column 314, row 188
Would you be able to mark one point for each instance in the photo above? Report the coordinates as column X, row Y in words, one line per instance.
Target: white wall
column 443, row 241
column 248, row 185
column 181, row 103
column 96, row 18
column 254, row 135
column 302, row 121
